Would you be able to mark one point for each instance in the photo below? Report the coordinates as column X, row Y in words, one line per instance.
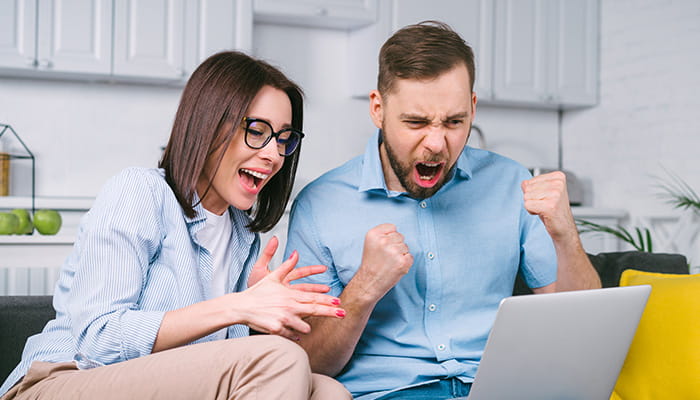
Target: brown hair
column 218, row 94
column 422, row 51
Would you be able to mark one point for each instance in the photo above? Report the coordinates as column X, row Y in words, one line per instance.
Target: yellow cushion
column 664, row 359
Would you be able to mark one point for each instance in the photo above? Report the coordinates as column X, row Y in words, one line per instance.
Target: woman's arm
column 271, row 305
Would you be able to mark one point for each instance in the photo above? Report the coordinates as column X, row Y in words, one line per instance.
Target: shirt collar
column 372, row 178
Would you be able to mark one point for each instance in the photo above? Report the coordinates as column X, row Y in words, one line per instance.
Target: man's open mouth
column 428, row 173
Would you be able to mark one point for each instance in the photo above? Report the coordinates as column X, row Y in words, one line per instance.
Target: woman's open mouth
column 427, row 174
column 251, row 180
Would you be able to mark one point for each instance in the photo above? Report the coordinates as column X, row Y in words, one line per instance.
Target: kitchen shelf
column 4, row 128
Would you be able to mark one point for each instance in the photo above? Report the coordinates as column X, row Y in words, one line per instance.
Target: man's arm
column 546, row 196
column 385, row 259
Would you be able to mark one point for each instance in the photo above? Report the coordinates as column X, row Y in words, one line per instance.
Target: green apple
column 47, row 222
column 8, row 223
column 25, row 222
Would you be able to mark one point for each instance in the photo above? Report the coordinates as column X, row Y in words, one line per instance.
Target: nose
column 435, row 139
column 270, row 152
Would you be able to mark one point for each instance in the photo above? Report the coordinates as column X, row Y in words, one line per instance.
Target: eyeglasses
column 259, row 132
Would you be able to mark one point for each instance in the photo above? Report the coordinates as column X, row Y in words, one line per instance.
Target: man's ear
column 376, row 108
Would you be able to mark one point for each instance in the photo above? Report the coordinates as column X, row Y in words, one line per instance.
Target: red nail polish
column 335, row 302
column 340, row 313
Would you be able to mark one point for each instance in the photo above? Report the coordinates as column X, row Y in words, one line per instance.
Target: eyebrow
column 418, row 117
column 284, row 126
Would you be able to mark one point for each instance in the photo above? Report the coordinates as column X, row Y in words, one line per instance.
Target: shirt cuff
column 139, row 332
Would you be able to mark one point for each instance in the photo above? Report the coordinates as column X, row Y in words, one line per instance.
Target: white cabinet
column 57, row 36
column 148, row 38
column 533, row 53
column 546, row 52
column 212, row 26
column 154, row 40
column 472, row 19
column 17, row 34
column 337, row 14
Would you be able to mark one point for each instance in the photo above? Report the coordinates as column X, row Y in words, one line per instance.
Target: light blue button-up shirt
column 136, row 256
column 468, row 242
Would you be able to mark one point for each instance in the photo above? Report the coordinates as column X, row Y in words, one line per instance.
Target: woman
column 166, row 258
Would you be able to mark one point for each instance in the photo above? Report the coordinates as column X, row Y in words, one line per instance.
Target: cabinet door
column 149, row 39
column 17, row 34
column 472, row 19
column 75, row 36
column 520, row 51
column 574, row 80
column 337, row 14
column 216, row 25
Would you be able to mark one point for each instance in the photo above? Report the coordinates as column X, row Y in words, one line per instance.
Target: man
column 423, row 236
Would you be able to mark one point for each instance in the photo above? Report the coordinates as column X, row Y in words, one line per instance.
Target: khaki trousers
column 260, row 367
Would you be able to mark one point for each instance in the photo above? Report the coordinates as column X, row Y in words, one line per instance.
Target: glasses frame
column 247, row 121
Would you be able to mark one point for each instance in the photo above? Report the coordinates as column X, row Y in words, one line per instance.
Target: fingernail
column 340, row 313
column 335, row 302
column 293, row 253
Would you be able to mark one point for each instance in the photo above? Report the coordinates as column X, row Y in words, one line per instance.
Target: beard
column 404, row 172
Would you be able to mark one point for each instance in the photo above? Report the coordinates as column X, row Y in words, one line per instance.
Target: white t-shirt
column 215, row 236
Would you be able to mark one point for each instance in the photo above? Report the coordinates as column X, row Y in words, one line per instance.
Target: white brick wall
column 649, row 112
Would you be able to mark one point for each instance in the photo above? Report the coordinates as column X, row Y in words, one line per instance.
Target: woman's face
column 244, row 171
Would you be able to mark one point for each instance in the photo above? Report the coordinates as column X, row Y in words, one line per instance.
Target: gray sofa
column 23, row 316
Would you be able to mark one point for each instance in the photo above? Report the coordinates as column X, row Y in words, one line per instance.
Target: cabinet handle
column 44, row 63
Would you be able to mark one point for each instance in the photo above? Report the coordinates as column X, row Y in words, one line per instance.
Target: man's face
column 425, row 125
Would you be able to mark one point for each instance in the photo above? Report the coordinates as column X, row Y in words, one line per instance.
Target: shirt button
column 432, row 307
column 441, row 347
column 431, row 256
column 423, row 204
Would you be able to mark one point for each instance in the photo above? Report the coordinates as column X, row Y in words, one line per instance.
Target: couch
column 23, row 316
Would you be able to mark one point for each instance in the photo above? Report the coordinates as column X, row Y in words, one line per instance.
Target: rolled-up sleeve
column 119, row 238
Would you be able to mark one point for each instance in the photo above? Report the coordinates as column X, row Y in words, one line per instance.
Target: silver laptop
column 559, row 346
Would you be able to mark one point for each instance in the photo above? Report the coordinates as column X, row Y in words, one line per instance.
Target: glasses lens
column 257, row 133
column 287, row 142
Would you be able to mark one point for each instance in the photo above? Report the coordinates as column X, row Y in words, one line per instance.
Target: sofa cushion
column 663, row 361
column 20, row 317
column 611, row 265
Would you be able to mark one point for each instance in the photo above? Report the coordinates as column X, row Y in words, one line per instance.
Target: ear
column 473, row 111
column 376, row 108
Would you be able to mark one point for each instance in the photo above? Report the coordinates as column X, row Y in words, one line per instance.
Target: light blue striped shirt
column 136, row 256
column 468, row 241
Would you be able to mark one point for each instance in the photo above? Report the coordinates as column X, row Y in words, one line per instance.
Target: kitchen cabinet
column 531, row 53
column 53, row 36
column 472, row 19
column 125, row 40
column 148, row 39
column 546, row 53
column 212, row 26
column 337, row 14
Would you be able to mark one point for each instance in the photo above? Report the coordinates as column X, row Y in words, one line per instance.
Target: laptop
column 562, row 346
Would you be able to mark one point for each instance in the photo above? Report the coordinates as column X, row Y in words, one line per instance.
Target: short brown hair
column 218, row 94
column 422, row 51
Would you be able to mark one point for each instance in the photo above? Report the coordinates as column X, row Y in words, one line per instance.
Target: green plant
column 673, row 189
column 641, row 241
column 678, row 193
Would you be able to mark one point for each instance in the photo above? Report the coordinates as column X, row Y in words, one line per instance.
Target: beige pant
column 256, row 367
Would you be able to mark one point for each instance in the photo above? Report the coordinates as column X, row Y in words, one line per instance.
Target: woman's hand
column 272, row 305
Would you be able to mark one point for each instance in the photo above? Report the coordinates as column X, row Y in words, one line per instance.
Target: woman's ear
column 376, row 110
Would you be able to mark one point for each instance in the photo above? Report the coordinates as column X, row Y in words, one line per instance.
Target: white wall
column 649, row 112
column 82, row 133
